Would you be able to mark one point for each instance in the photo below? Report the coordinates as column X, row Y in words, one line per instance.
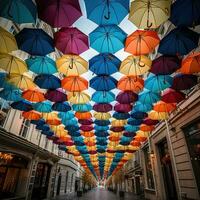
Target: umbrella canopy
column 102, row 107
column 134, row 122
column 35, row 42
column 149, row 14
column 11, row 94
column 71, row 65
column 107, row 12
column 85, row 121
column 103, row 83
column 33, row 95
column 135, row 65
column 61, row 107
column 83, row 115
column 126, row 97
column 107, row 39
column 117, row 128
column 18, row 11
column 138, row 114
column 102, row 122
column 78, row 97
column 104, row 64
column 103, row 97
column 43, row 107
column 150, row 122
column 142, row 42
column 47, row 81
column 74, row 83
column 142, row 107
column 132, row 83
column 71, row 41
column 7, row 41
column 12, row 64
column 102, row 116
column 31, row 115
column 82, row 107
column 172, row 96
column 157, row 115
column 56, row 95
column 41, row 65
column 65, row 116
column 63, row 12
column 190, row 16
column 179, row 41
column 22, row 105
column 148, row 97
column 123, row 108
column 164, row 65
column 164, row 107
column 117, row 115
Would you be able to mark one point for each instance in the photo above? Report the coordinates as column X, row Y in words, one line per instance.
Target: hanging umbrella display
column 35, row 42
column 179, row 41
column 133, row 65
column 43, row 107
column 104, row 64
column 7, row 41
column 103, row 83
column 33, row 95
column 107, row 12
column 41, row 65
column 71, row 65
column 74, row 83
column 103, row 97
column 18, row 11
column 78, row 97
column 172, row 96
column 107, row 39
column 126, row 97
column 149, row 14
column 123, row 108
column 191, row 64
column 117, row 115
column 57, row 95
column 185, row 13
column 102, row 107
column 82, row 107
column 164, row 107
column 132, row 83
column 47, row 81
column 142, row 42
column 63, row 12
column 102, row 116
column 164, row 65
column 11, row 94
column 184, row 81
column 22, row 105
column 157, row 115
column 71, row 41
column 148, row 97
column 31, row 115
column 61, row 107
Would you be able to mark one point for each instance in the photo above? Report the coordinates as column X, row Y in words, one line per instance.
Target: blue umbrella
column 22, row 105
column 101, row 128
column 104, row 64
column 11, row 94
column 43, row 107
column 47, row 81
column 157, row 83
column 35, row 42
column 148, row 97
column 41, row 65
column 103, row 83
column 44, row 127
column 38, row 122
column 117, row 115
column 179, row 41
column 76, row 133
column 72, row 128
column 142, row 107
column 66, row 115
column 107, row 39
column 131, row 128
column 48, row 133
column 62, row 147
column 61, row 106
column 22, row 11
column 3, row 79
column 138, row 114
column 134, row 122
column 71, row 122
column 185, row 13
column 103, row 97
column 102, row 122
column 101, row 133
column 82, row 107
column 106, row 11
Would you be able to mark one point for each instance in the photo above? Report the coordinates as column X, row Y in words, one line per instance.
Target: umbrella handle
column 108, row 16
column 149, row 25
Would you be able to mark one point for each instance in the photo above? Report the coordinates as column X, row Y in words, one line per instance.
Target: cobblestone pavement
column 99, row 194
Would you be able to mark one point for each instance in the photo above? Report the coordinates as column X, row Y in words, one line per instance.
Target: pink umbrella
column 127, row 97
column 102, row 107
column 56, row 95
column 124, row 108
column 71, row 41
column 150, row 122
column 172, row 96
column 59, row 13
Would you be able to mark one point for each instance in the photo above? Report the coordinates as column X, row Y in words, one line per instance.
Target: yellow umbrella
column 21, row 81
column 50, row 116
column 72, row 65
column 119, row 122
column 157, row 115
column 142, row 133
column 12, row 64
column 135, row 65
column 102, row 116
column 7, row 41
column 78, row 97
column 147, row 14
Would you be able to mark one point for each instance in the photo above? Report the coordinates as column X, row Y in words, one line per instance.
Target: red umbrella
column 172, row 96
column 86, row 128
column 124, row 108
column 127, row 97
column 117, row 128
column 85, row 121
column 56, row 95
column 102, row 107
column 150, row 122
column 71, row 41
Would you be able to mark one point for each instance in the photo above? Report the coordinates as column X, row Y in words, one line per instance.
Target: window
column 149, row 170
column 46, row 143
column 24, row 128
column 72, row 178
column 66, row 180
column 3, row 111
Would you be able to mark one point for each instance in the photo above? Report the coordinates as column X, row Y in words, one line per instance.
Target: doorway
column 58, row 185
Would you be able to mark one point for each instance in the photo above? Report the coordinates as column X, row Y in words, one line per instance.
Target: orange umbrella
column 146, row 128
column 135, row 143
column 142, row 42
column 87, row 134
column 114, row 138
column 31, row 115
column 132, row 83
column 164, row 107
column 140, row 138
column 191, row 64
column 54, row 122
column 83, row 115
column 90, row 143
column 74, row 83
column 33, row 95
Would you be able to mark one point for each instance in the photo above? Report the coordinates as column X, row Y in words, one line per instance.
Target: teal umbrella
column 66, row 115
column 11, row 94
column 44, row 107
column 103, row 97
column 82, row 107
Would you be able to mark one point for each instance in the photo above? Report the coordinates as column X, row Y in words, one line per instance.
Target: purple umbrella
column 56, row 95
column 123, row 108
column 59, row 13
column 150, row 122
column 117, row 128
column 129, row 134
column 86, row 128
column 127, row 97
column 71, row 41
column 184, row 81
column 85, row 121
column 102, row 107
column 165, row 65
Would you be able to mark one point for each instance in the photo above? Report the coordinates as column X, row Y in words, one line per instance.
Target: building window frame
column 24, row 128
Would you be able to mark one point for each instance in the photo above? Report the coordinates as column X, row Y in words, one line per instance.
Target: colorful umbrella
column 85, row 121
column 142, row 107
column 102, row 116
column 103, row 97
column 43, row 107
column 7, row 41
column 130, row 128
column 172, row 96
column 56, row 95
column 102, row 122
column 179, row 41
column 102, row 107
column 33, row 95
column 71, row 41
column 149, row 14
column 134, row 122
column 103, row 83
column 35, row 41
column 86, row 128
column 31, row 115
column 82, row 107
column 138, row 114
column 107, row 12
column 83, row 115
column 63, row 12
column 118, row 123
column 11, row 94
column 164, row 65
column 18, row 11
column 54, row 121
column 141, row 42
column 132, row 83
column 157, row 115
column 41, row 65
column 71, row 65
column 78, row 97
column 164, row 107
column 47, row 81
column 22, row 105
column 117, row 115
column 126, row 97
column 107, row 39
column 150, row 122
column 117, row 128
column 12, row 64
column 65, row 116
column 61, row 107
column 123, row 108
column 74, row 83
column 148, row 97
